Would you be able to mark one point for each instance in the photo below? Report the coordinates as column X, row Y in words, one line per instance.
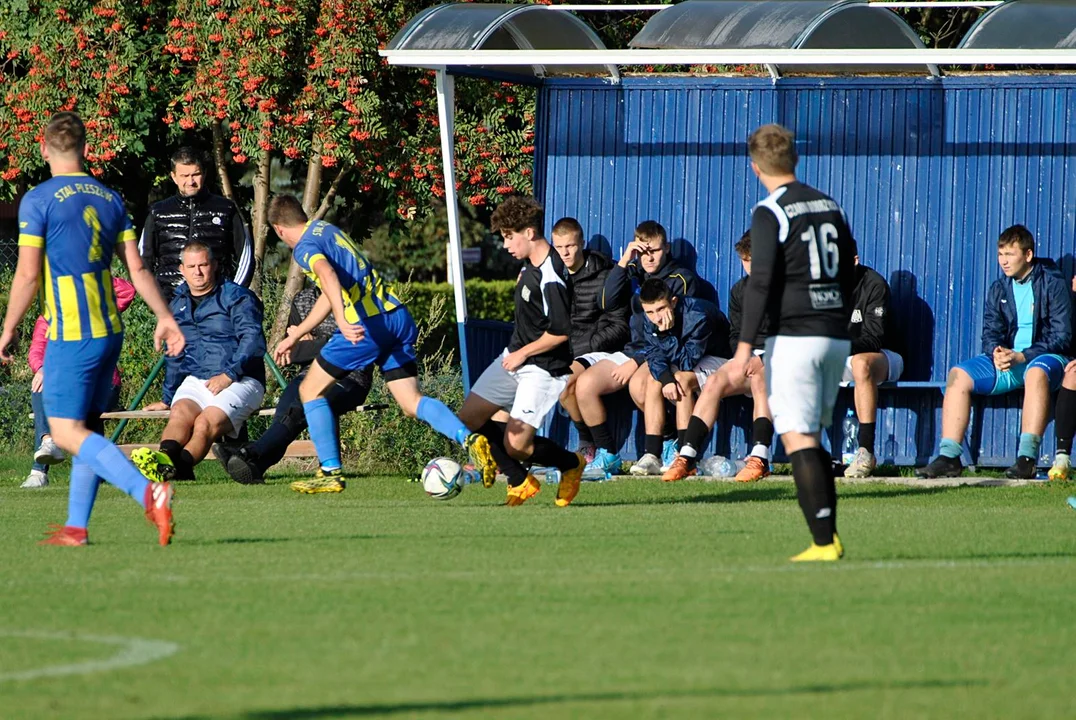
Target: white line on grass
column 132, row 652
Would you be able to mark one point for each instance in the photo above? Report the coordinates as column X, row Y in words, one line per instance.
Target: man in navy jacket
column 219, row 379
column 1027, row 329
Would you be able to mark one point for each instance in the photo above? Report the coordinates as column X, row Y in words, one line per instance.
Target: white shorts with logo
column 591, row 359
column 238, row 401
column 803, row 375
column 895, row 361
column 708, row 365
column 529, row 394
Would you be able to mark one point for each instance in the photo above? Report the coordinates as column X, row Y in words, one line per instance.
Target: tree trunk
column 260, row 216
column 221, row 162
column 294, row 282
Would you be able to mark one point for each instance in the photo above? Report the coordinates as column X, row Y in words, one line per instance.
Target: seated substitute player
column 248, row 464
column 871, row 362
column 531, row 373
column 721, row 385
column 593, row 328
column 373, row 328
column 219, row 381
column 686, row 342
column 76, row 224
column 802, row 277
column 646, row 256
column 1027, row 328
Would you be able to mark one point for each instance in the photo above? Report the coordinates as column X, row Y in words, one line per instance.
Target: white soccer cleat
column 37, row 479
column 1062, row 468
column 648, row 464
column 862, row 464
column 49, row 453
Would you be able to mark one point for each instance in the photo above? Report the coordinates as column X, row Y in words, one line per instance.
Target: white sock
column 761, row 451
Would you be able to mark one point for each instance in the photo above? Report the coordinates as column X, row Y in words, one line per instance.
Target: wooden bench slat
column 297, row 449
column 164, row 414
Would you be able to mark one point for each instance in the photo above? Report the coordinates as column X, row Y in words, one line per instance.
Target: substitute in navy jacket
column 224, row 335
column 1053, row 313
column 619, row 290
column 700, row 328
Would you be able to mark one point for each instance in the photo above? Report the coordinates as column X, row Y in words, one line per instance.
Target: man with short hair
column 532, row 372
column 802, row 281
column 1027, row 329
column 721, row 385
column 646, row 256
column 219, row 381
column 594, row 329
column 871, row 362
column 76, row 224
column 195, row 214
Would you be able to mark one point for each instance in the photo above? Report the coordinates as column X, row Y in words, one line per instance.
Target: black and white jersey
column 543, row 305
column 802, row 266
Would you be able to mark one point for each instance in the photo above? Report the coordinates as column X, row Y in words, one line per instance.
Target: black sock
column 694, row 438
column 172, row 449
column 547, row 453
column 680, row 435
column 762, row 432
column 866, row 436
column 1065, row 420
column 813, row 473
column 512, row 468
column 185, row 466
column 652, row 445
column 603, row 437
column 584, row 432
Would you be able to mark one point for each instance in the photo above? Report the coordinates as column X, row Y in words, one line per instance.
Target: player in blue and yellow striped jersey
column 374, row 327
column 69, row 228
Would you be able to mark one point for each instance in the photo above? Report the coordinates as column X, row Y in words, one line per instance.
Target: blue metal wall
column 929, row 172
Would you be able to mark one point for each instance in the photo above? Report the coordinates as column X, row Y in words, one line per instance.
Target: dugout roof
column 782, row 25
column 488, row 26
column 1025, row 24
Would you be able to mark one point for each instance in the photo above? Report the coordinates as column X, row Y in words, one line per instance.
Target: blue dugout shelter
column 930, row 163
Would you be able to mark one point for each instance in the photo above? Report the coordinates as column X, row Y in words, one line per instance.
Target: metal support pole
column 446, row 112
column 138, row 397
column 276, row 371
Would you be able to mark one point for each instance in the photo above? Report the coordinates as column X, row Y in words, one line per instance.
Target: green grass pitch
column 642, row 600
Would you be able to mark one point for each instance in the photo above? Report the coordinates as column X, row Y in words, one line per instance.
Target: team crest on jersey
column 857, row 316
column 217, row 220
column 526, row 294
column 879, row 311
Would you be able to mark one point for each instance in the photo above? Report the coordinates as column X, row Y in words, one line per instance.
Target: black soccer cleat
column 242, row 469
column 1023, row 469
column 941, row 467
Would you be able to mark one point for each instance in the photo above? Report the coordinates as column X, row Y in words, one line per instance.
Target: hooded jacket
column 619, row 288
column 1053, row 313
column 700, row 328
column 593, row 328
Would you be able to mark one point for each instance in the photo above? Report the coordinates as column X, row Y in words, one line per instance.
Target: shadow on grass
column 305, row 538
column 374, row 710
column 772, row 494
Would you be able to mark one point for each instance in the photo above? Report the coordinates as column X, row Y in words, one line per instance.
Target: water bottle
column 717, row 466
column 850, row 444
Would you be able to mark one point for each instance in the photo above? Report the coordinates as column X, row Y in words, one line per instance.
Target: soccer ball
column 443, row 478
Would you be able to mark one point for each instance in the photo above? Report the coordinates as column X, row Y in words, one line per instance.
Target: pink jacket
column 125, row 294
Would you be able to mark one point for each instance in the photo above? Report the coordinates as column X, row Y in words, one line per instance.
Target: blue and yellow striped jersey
column 365, row 293
column 78, row 221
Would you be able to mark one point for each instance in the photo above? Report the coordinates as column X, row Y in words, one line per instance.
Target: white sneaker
column 37, row 479
column 49, row 453
column 648, row 464
column 862, row 464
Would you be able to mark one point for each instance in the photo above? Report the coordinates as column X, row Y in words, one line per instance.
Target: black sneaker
column 941, row 467
column 223, row 453
column 241, row 468
column 1023, row 469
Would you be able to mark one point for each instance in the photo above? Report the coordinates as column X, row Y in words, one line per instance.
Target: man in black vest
column 194, row 213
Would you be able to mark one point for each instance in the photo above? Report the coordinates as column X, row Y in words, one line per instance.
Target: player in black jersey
column 802, row 281
column 529, row 376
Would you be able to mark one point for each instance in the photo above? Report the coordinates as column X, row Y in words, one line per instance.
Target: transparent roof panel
column 781, row 24
column 484, row 26
column 1025, row 25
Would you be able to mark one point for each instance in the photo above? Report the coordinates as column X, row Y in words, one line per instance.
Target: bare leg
column 956, row 408
column 595, row 382
column 868, row 370
column 684, row 407
column 180, row 425
column 653, row 406
column 1036, row 402
column 211, row 424
column 638, row 384
column 567, row 398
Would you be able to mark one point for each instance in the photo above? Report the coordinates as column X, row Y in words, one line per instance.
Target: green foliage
column 416, row 249
column 486, row 299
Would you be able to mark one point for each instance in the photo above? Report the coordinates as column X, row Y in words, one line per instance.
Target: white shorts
column 895, row 361
column 238, row 401
column 591, row 359
column 803, row 375
column 529, row 394
column 708, row 365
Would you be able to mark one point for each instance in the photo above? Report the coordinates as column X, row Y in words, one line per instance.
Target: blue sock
column 109, row 462
column 82, row 494
column 1029, row 445
column 322, row 426
column 436, row 414
column 950, row 449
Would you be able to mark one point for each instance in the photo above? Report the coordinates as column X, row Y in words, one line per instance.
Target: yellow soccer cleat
column 1062, row 468
column 569, row 482
column 155, row 465
column 522, row 493
column 837, row 543
column 819, row 553
column 477, row 447
column 325, row 481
